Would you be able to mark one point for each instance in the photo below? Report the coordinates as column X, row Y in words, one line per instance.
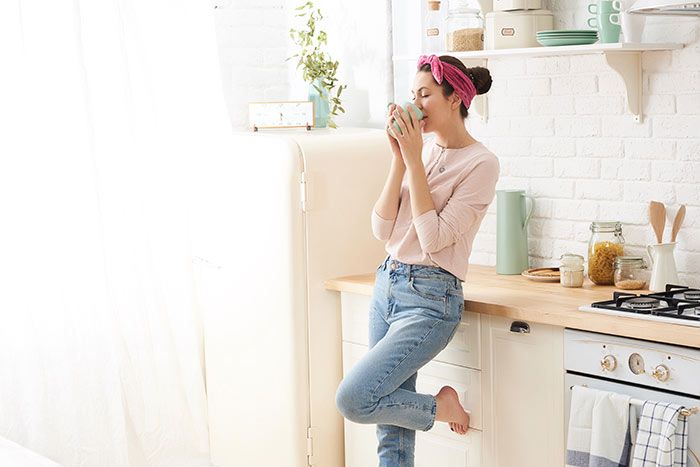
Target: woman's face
column 428, row 96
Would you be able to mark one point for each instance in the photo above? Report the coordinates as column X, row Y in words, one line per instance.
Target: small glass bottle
column 464, row 27
column 433, row 35
column 606, row 244
column 631, row 273
column 571, row 270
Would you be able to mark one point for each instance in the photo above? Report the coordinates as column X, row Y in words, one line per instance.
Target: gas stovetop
column 677, row 304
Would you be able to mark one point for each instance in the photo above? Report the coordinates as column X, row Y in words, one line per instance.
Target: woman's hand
column 390, row 130
column 410, row 140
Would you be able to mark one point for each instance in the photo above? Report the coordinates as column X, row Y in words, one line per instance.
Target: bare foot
column 451, row 411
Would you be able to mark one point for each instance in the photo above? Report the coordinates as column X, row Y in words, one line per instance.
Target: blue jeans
column 414, row 313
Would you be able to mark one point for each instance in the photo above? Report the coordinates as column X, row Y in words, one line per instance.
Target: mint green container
column 419, row 115
column 511, row 231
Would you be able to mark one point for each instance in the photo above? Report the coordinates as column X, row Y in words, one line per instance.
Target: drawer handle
column 520, row 326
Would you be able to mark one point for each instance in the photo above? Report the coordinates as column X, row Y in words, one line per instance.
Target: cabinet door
column 437, row 447
column 523, row 393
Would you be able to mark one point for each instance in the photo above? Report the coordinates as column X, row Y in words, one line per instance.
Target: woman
column 429, row 223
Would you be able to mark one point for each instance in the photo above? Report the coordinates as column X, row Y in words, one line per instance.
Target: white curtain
column 108, row 110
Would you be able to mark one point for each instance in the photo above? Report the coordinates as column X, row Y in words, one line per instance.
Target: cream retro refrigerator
column 284, row 213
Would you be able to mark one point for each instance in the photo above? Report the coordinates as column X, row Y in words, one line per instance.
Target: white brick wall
column 586, row 158
column 559, row 125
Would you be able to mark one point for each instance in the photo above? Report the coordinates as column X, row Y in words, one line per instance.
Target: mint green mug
column 418, row 112
column 607, row 20
column 611, row 6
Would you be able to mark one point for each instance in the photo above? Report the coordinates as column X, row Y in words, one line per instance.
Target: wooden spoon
column 680, row 215
column 657, row 217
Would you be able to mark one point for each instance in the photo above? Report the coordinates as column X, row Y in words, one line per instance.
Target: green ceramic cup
column 606, row 21
column 612, row 6
column 417, row 111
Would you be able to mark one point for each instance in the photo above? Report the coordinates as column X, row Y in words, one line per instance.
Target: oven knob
column 636, row 364
column 661, row 373
column 608, row 363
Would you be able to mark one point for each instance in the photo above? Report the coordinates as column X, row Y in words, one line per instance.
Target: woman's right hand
column 395, row 149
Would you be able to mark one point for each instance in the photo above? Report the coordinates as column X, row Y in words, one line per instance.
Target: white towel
column 598, row 429
column 662, row 436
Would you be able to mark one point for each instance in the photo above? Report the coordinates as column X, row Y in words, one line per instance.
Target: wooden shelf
column 624, row 58
column 555, row 51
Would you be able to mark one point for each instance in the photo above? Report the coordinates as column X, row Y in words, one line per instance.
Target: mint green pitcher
column 511, row 231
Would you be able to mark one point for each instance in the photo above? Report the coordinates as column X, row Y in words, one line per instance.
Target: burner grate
column 672, row 303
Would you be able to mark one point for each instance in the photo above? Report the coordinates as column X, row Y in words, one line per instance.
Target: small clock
column 282, row 114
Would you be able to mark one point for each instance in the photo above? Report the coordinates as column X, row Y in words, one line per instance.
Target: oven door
column 643, row 394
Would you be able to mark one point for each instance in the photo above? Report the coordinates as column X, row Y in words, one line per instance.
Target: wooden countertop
column 515, row 297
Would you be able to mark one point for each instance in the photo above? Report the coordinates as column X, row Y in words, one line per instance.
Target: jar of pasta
column 606, row 244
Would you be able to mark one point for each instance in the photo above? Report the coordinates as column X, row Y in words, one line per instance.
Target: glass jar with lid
column 571, row 270
column 464, row 26
column 631, row 273
column 433, row 34
column 606, row 244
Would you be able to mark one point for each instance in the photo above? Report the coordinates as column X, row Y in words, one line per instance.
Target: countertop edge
column 568, row 318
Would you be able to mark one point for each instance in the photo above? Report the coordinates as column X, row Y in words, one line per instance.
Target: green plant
column 314, row 62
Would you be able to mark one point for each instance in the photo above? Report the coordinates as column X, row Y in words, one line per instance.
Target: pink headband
column 461, row 83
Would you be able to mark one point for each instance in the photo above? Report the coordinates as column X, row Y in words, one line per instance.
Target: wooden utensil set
column 657, row 217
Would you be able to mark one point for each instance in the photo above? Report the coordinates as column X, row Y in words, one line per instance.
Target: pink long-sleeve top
column 462, row 184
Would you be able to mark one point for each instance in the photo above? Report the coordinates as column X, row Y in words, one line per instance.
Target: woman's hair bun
column 481, row 77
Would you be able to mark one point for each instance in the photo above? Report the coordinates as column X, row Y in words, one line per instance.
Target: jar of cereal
column 631, row 273
column 606, row 244
column 465, row 26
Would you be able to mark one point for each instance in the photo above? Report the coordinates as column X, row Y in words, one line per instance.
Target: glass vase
column 321, row 104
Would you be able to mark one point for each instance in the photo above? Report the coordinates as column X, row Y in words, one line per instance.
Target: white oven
column 640, row 369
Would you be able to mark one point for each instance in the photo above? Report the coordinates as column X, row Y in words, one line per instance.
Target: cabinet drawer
column 431, row 450
column 439, row 446
column 463, row 350
column 433, row 376
column 467, row 383
column 453, row 451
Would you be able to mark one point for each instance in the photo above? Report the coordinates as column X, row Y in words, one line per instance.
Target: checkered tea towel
column 662, row 436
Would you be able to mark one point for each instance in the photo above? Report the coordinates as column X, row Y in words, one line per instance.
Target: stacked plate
column 567, row 37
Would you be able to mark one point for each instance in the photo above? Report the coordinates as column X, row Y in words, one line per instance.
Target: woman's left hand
column 411, row 137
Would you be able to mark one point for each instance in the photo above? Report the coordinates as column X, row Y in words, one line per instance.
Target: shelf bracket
column 629, row 66
column 480, row 105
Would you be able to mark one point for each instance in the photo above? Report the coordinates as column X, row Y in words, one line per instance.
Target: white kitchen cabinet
column 512, row 382
column 457, row 366
column 437, row 447
column 523, row 393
